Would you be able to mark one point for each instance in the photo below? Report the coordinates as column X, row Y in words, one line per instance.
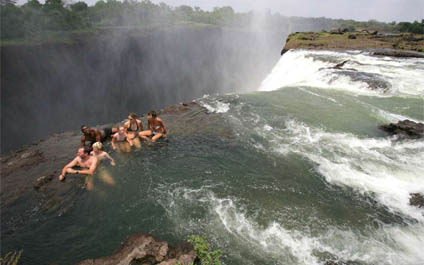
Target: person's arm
column 82, row 141
column 149, row 125
column 128, row 140
column 112, row 162
column 98, row 136
column 163, row 126
column 126, row 126
column 69, row 165
column 141, row 125
column 113, row 141
column 91, row 170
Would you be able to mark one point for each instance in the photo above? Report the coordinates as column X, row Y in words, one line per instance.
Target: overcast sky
column 362, row 10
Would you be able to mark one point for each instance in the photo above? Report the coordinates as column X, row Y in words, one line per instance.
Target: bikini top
column 130, row 128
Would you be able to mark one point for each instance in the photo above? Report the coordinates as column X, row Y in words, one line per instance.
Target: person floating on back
column 120, row 141
column 93, row 135
column 101, row 155
column 132, row 127
column 155, row 127
column 87, row 163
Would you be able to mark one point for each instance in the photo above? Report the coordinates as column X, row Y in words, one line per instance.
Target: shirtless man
column 93, row 135
column 83, row 160
column 155, row 127
column 132, row 127
column 101, row 155
column 120, row 141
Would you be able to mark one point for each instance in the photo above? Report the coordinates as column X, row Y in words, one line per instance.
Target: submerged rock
column 407, row 128
column 43, row 180
column 416, row 199
column 141, row 248
column 373, row 81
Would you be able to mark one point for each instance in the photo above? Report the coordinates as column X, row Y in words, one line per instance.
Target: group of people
column 123, row 137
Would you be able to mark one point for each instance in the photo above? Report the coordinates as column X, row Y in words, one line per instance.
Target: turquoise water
column 297, row 175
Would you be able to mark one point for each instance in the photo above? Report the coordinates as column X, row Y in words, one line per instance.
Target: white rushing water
column 382, row 168
column 405, row 77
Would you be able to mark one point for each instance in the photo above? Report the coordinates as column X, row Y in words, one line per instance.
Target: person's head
column 121, row 129
column 85, row 129
column 97, row 146
column 132, row 116
column 152, row 114
column 84, row 151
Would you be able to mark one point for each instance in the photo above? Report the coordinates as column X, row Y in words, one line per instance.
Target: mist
column 134, row 62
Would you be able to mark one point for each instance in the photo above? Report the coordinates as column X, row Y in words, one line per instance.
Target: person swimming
column 84, row 160
column 155, row 127
column 120, row 140
column 93, row 135
column 101, row 155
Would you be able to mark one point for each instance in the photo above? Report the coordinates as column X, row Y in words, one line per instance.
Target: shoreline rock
column 398, row 45
column 29, row 180
column 416, row 199
column 144, row 249
column 405, row 128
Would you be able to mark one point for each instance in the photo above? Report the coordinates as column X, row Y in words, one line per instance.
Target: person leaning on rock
column 93, row 135
column 84, row 160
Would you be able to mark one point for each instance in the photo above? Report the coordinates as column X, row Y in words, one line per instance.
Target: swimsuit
column 131, row 130
column 156, row 128
column 108, row 133
column 121, row 138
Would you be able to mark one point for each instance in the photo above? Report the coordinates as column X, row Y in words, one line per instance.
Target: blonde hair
column 98, row 145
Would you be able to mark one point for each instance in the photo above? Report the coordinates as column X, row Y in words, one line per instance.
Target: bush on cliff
column 206, row 255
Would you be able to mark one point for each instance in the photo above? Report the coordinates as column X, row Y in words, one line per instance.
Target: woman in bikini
column 155, row 127
column 132, row 127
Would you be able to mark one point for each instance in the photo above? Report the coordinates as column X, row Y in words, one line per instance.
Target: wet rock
column 283, row 51
column 141, row 248
column 17, row 161
column 405, row 128
column 41, row 181
column 416, row 199
column 399, row 53
column 374, row 81
column 178, row 108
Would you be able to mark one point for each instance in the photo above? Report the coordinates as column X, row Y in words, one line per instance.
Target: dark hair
column 87, row 149
column 133, row 115
column 82, row 126
column 153, row 114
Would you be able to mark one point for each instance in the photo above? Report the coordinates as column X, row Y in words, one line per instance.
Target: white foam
column 214, row 105
column 377, row 167
column 310, row 68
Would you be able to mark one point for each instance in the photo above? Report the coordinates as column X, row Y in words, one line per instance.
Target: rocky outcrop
column 144, row 249
column 399, row 45
column 405, row 128
column 416, row 199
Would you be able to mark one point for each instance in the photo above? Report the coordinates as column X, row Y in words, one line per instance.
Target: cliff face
column 405, row 45
column 98, row 79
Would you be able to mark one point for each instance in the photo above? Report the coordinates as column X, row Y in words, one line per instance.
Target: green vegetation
column 35, row 21
column 11, row 258
column 204, row 252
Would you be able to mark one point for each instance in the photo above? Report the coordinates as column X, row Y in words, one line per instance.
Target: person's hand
column 71, row 170
column 112, row 163
column 113, row 147
column 61, row 177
